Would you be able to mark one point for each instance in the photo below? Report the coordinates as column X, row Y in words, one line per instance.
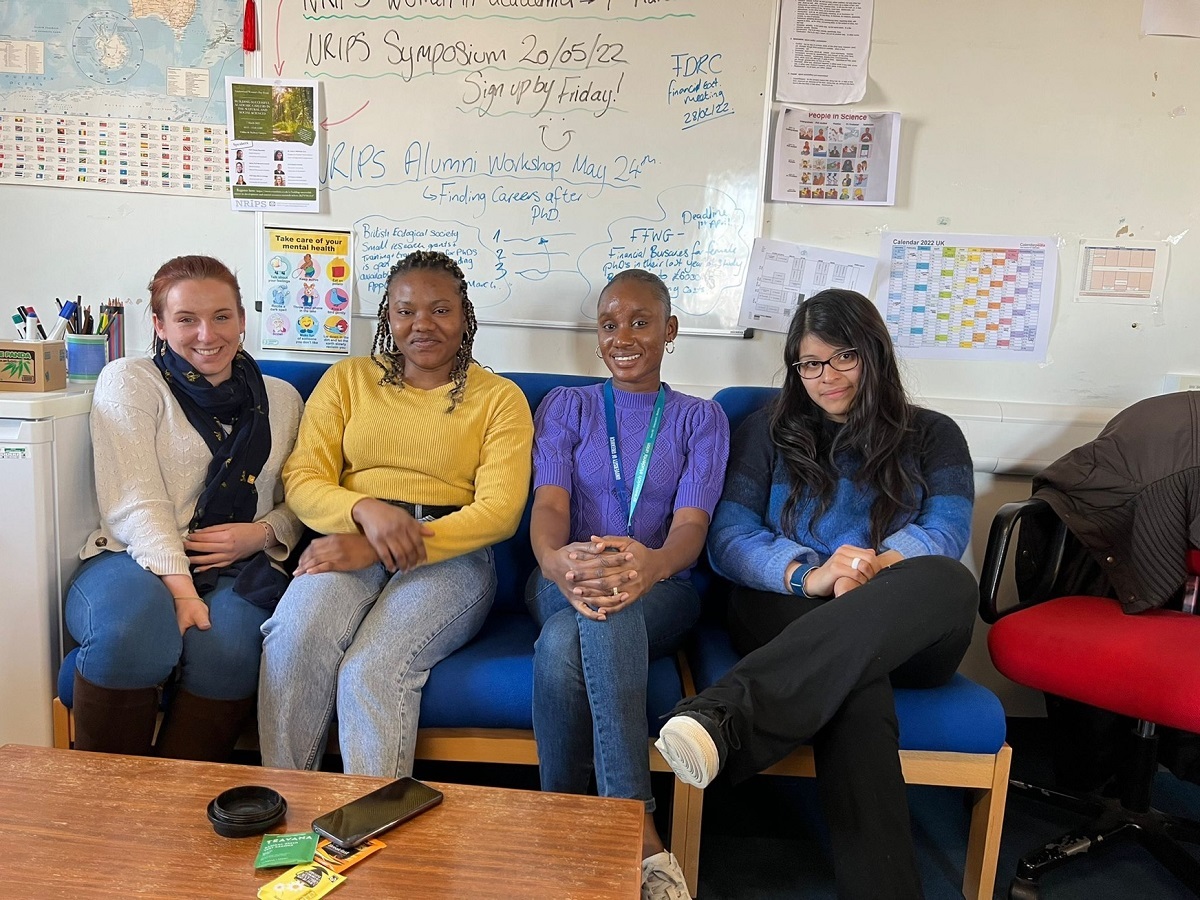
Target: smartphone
column 376, row 812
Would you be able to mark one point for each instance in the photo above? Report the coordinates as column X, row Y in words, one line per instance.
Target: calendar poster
column 968, row 296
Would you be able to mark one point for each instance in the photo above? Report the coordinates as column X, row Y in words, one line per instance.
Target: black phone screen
column 376, row 812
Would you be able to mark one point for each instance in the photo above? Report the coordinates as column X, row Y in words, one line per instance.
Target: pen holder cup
column 86, row 356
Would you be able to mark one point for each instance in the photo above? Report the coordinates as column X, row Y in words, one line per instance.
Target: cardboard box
column 33, row 366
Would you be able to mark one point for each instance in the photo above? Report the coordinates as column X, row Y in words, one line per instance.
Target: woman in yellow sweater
column 411, row 477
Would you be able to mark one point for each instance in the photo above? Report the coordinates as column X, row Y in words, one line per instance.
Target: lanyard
column 643, row 466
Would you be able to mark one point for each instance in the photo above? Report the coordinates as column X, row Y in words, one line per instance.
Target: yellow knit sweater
column 362, row 439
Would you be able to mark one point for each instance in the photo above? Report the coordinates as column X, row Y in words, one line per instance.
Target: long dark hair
column 392, row 361
column 879, row 426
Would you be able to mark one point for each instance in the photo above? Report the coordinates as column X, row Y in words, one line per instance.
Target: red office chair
column 1145, row 666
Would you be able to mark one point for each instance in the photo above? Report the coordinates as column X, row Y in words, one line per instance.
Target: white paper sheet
column 1125, row 272
column 836, row 158
column 823, row 51
column 781, row 275
column 274, row 153
column 1178, row 17
column 968, row 296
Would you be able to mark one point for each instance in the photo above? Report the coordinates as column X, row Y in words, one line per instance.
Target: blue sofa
column 488, row 684
column 476, row 706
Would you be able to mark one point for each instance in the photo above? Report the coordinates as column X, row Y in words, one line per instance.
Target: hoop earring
column 670, row 346
column 389, row 344
column 599, row 355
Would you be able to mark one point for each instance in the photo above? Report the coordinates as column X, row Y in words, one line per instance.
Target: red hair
column 189, row 268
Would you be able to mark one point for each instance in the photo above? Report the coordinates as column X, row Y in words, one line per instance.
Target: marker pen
column 58, row 329
column 33, row 328
column 20, row 324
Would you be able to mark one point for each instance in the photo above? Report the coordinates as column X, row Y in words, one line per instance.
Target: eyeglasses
column 842, row 361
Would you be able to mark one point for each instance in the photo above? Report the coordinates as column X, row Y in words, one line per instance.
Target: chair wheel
column 1023, row 889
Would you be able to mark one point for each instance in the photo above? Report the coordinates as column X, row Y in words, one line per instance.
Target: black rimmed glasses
column 842, row 361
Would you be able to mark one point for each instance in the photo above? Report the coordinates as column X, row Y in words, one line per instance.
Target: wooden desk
column 75, row 824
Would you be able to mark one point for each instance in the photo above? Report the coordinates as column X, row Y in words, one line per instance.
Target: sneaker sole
column 679, row 734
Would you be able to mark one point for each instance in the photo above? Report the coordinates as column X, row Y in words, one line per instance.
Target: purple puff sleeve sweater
column 687, row 469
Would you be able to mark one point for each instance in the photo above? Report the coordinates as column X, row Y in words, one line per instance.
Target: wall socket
column 1174, row 382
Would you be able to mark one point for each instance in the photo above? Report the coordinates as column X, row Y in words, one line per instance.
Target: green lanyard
column 628, row 501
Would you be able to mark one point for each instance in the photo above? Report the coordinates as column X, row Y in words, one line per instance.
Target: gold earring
column 599, row 355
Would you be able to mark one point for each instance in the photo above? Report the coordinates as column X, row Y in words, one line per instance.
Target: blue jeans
column 124, row 620
column 589, row 686
column 366, row 641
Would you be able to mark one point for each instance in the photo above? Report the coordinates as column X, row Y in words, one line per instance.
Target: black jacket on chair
column 1132, row 499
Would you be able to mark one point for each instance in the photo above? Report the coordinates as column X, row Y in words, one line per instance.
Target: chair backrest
column 303, row 376
column 738, row 403
column 514, row 557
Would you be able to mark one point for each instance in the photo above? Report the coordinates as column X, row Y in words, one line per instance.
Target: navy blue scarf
column 229, row 493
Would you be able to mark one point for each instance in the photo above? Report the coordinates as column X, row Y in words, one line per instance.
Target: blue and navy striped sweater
column 748, row 544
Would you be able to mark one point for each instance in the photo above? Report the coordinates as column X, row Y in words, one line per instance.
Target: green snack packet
column 285, row 850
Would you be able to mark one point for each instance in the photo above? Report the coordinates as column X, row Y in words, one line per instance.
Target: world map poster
column 117, row 94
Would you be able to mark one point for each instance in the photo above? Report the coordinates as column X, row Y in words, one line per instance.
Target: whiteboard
column 545, row 144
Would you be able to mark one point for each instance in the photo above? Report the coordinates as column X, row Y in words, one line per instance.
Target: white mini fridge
column 47, row 511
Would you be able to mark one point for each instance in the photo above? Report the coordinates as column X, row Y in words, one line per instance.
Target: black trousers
column 823, row 671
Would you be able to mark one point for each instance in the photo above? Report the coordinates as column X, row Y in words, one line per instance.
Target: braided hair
column 384, row 350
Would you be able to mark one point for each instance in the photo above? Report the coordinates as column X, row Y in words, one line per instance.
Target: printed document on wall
column 1126, row 272
column 781, row 275
column 306, row 288
column 836, row 158
column 274, row 154
column 1177, row 17
column 968, row 296
column 823, row 51
column 119, row 96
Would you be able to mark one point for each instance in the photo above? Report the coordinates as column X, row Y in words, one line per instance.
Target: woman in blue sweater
column 844, row 514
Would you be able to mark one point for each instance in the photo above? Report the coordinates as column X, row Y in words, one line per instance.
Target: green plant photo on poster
column 292, row 114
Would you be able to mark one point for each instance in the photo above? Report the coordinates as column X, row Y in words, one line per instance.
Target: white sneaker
column 662, row 878
column 689, row 750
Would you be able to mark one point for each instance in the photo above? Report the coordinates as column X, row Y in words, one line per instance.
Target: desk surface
column 77, row 824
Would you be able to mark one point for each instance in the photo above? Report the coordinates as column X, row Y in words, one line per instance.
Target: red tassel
column 250, row 28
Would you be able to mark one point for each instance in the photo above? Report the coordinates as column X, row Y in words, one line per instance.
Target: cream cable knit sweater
column 150, row 467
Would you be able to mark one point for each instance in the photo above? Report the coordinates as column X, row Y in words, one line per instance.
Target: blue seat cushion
column 958, row 717
column 486, row 684
column 66, row 680
column 489, row 682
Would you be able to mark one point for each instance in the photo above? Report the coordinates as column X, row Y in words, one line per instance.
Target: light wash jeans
column 366, row 640
column 124, row 620
column 589, row 686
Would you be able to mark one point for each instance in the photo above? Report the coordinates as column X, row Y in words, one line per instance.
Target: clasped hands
column 390, row 535
column 603, row 575
column 849, row 567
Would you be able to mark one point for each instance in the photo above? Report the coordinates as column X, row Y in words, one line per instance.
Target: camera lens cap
column 246, row 811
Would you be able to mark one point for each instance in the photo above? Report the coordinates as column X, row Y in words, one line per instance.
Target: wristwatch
column 797, row 581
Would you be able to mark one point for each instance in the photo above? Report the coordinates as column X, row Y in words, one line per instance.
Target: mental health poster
column 306, row 288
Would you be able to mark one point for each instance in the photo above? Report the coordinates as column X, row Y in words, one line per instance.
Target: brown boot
column 114, row 721
column 198, row 728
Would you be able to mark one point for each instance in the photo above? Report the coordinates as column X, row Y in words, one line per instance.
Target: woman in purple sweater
column 616, row 533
